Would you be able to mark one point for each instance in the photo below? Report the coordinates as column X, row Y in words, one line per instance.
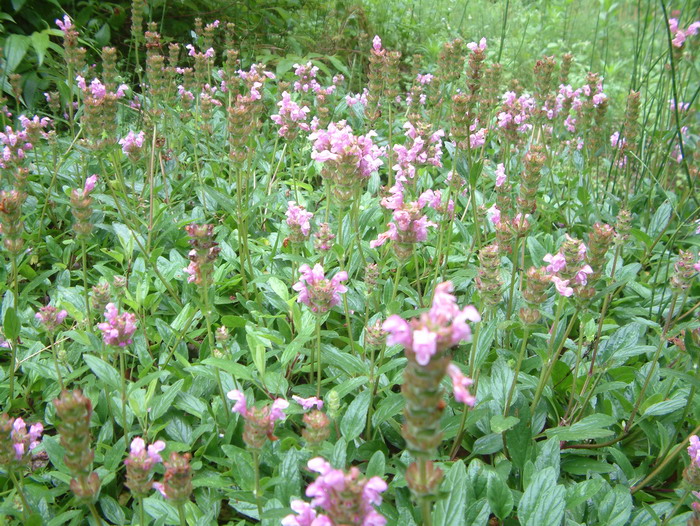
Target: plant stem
column 20, row 492
column 142, row 512
column 181, row 513
column 425, row 505
column 96, row 515
column 652, row 368
column 318, row 356
column 86, row 295
column 52, row 344
column 521, row 357
column 122, row 370
column 258, row 495
column 545, row 369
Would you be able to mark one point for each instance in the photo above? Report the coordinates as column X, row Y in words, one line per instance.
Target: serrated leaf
column 592, row 426
column 543, row 501
column 500, row 497
column 103, row 370
column 499, row 423
column 449, row 511
column 163, row 402
column 355, row 417
column 616, row 507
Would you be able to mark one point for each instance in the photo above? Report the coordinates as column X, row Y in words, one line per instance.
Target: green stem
column 13, row 361
column 18, row 487
column 181, row 513
column 210, row 339
column 122, row 370
column 318, row 356
column 258, row 494
column 521, row 357
column 52, row 344
column 676, row 507
column 96, row 515
column 397, row 278
column 544, row 375
column 86, row 294
column 426, row 504
column 654, row 361
column 509, row 310
column 142, row 512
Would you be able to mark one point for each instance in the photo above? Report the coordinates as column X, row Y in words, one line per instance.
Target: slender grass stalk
column 122, row 371
column 20, row 491
column 514, row 383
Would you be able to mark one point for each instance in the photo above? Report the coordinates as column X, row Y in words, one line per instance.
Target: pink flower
column 317, row 292
column 460, row 385
column 399, row 331
column 424, row 345
column 65, row 25
column 562, row 286
column 338, row 146
column 443, row 326
column 500, row 175
column 291, row 116
column 298, row 220
column 481, row 46
column 144, row 458
column 308, row 403
column 557, row 263
column 694, row 450
column 277, row 409
column 50, row 317
column 494, row 214
column 582, row 275
column 424, row 79
column 118, row 328
column 132, row 143
column 240, row 405
column 335, row 493
column 90, row 183
column 377, row 44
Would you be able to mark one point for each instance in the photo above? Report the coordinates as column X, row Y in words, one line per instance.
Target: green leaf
column 660, row 220
column 665, row 407
column 161, row 510
column 376, row 467
column 112, row 510
column 499, row 423
column 355, row 417
column 478, row 475
column 256, row 345
column 238, row 371
column 590, row 427
column 500, row 497
column 543, row 502
column 477, row 513
column 10, row 324
column 449, row 511
column 15, row 48
column 103, row 370
column 162, row 403
column 616, row 507
column 40, row 43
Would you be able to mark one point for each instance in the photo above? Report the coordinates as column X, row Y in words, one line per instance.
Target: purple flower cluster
column 145, row 457
column 425, row 149
column 317, row 292
column 694, row 450
column 338, row 145
column 298, row 221
column 308, row 403
column 132, row 144
column 119, row 328
column 97, row 91
column 259, row 422
column 442, row 327
column 15, row 146
column 50, row 317
column 680, row 35
column 342, row 498
column 409, row 225
column 291, row 116
column 24, row 441
column 568, row 271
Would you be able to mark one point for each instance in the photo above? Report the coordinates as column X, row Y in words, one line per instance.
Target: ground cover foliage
column 455, row 284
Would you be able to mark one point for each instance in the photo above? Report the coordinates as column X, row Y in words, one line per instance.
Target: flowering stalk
column 117, row 332
column 426, row 341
